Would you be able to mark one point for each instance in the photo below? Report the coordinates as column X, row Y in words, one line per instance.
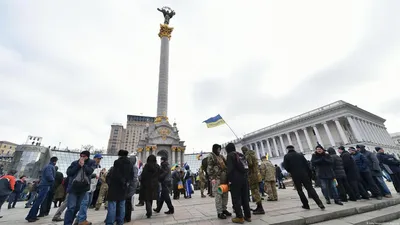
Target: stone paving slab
column 201, row 211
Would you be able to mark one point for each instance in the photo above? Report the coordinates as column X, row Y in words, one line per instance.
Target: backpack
column 204, row 164
column 81, row 182
column 242, row 159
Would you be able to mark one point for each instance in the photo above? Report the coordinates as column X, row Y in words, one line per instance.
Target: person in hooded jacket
column 119, row 178
column 343, row 185
column 149, row 183
column 239, row 185
column 323, row 163
column 296, row 164
column 165, row 181
column 391, row 165
column 365, row 173
column 376, row 171
column 352, row 174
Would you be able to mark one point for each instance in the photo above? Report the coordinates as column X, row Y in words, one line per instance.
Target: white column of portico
column 379, row 131
column 341, row 131
column 282, row 144
column 178, row 158
column 288, row 137
column 387, row 137
column 317, row 134
column 276, row 147
column 262, row 148
column 299, row 141
column 268, row 147
column 365, row 135
column 354, row 129
column 308, row 139
column 173, row 156
column 328, row 132
column 257, row 151
column 367, row 131
column 147, row 153
column 370, row 130
column 375, row 128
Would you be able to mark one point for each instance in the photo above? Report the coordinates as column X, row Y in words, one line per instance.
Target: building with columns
column 333, row 125
column 396, row 138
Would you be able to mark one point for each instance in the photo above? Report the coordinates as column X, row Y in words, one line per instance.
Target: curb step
column 376, row 217
column 333, row 212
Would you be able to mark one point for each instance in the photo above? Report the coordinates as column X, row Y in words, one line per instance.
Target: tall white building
column 333, row 125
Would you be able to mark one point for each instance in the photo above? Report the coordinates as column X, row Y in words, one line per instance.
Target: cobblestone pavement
column 194, row 211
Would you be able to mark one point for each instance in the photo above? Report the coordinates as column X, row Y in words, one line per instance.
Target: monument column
column 179, row 157
column 257, row 150
column 262, row 148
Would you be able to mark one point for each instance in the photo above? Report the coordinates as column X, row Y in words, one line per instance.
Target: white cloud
column 71, row 69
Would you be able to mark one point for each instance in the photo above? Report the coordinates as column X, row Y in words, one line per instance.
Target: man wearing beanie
column 216, row 169
column 296, row 164
column 391, row 165
column 78, row 173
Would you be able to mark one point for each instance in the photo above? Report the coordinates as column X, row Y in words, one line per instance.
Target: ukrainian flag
column 214, row 121
column 199, row 155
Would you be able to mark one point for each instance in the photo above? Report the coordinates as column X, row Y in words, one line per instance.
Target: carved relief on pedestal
column 164, row 132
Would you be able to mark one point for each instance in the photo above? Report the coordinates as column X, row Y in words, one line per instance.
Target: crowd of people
column 350, row 175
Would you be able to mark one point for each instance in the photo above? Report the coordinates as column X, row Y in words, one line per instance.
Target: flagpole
column 231, row 129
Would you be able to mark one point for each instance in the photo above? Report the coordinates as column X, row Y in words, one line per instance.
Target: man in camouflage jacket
column 268, row 176
column 254, row 179
column 103, row 189
column 217, row 171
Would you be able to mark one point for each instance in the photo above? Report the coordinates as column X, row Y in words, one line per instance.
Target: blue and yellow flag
column 214, row 121
column 199, row 155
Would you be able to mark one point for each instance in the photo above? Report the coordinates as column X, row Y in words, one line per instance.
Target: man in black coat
column 296, row 164
column 165, row 181
column 352, row 173
column 239, row 184
column 391, row 165
column 343, row 185
column 118, row 180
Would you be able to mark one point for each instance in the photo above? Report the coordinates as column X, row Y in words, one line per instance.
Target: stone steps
column 357, row 212
column 375, row 217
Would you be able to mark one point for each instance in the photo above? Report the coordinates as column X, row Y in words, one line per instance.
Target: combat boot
column 238, row 220
column 259, row 210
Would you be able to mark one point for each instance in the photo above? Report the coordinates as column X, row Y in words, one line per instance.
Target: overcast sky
column 69, row 69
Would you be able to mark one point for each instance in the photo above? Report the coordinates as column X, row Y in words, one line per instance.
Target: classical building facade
column 7, row 148
column 396, row 138
column 333, row 125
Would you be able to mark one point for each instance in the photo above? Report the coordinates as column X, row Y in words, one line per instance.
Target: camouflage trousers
column 102, row 195
column 270, row 188
column 255, row 191
column 202, row 184
column 221, row 200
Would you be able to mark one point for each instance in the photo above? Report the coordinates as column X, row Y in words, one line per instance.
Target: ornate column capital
column 165, row 31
